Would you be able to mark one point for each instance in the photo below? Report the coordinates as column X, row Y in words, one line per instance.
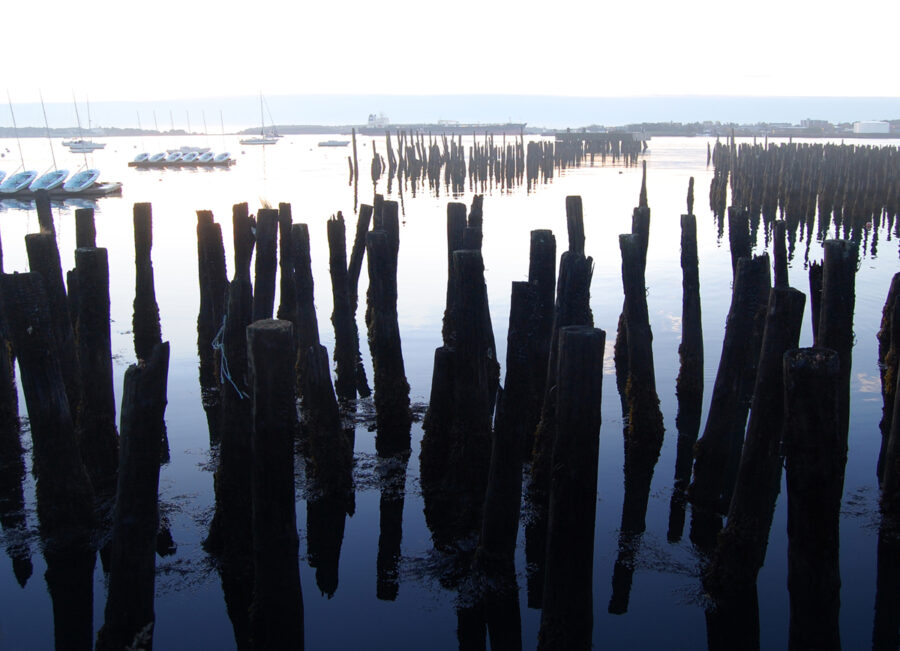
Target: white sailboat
column 263, row 138
column 81, row 144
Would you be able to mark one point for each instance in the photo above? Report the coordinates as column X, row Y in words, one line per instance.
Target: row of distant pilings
column 418, row 161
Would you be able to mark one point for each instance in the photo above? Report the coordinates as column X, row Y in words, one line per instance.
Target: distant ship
column 379, row 123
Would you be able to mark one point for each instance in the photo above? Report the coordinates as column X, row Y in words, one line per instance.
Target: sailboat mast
column 262, row 119
column 16, row 129
column 47, row 127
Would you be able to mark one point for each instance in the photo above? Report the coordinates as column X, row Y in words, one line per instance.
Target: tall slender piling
column 836, row 318
column 346, row 336
column 888, row 363
column 306, row 326
column 742, row 544
column 129, row 611
column 98, row 440
column 145, row 323
column 287, row 303
column 266, row 264
column 717, row 452
column 780, row 255
column 566, row 616
column 43, row 258
column 64, row 492
column 354, row 268
column 392, row 412
column 815, row 455
column 276, row 614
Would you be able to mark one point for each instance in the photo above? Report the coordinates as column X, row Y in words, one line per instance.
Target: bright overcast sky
column 167, row 49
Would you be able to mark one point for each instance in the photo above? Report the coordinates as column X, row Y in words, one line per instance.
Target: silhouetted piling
column 567, row 617
column 98, row 440
column 64, row 492
column 392, row 475
column 815, row 455
column 888, row 363
column 132, row 567
column 276, row 614
column 815, row 295
column 575, row 223
column 213, row 296
column 43, row 258
column 306, row 326
column 346, row 336
column 85, row 229
column 742, row 544
column 266, row 264
column 717, row 452
column 44, row 211
column 836, row 318
column 145, row 323
column 738, row 235
column 287, row 302
column 392, row 415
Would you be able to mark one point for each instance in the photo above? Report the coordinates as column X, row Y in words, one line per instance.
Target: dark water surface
column 666, row 604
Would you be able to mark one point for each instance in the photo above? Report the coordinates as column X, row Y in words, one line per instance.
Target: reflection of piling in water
column 733, row 624
column 43, row 259
column 70, row 583
column 717, row 452
column 325, row 520
column 229, row 531
column 836, row 318
column 815, row 455
column 98, row 440
column 64, row 492
column 644, row 424
column 276, row 614
column 392, row 473
column 886, row 628
column 888, row 363
column 266, row 264
column 392, row 414
column 129, row 602
column 689, row 383
column 566, row 618
column 742, row 544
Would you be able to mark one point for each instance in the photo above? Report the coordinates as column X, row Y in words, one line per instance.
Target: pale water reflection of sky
column 172, row 49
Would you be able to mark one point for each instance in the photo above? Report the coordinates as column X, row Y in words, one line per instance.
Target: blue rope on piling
column 224, row 374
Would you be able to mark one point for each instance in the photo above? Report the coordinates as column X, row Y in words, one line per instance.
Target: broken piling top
column 575, row 223
column 642, row 200
column 690, row 196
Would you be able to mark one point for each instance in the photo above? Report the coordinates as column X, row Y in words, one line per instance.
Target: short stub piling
column 567, row 617
column 276, row 614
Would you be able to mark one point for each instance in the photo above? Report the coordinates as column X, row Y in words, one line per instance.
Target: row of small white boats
column 177, row 157
column 57, row 182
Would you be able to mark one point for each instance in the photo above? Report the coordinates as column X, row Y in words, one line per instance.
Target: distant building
column 379, row 121
column 871, row 127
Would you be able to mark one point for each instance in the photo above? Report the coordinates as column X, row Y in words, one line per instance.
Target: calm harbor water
column 666, row 608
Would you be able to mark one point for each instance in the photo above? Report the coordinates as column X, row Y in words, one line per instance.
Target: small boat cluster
column 183, row 157
column 58, row 183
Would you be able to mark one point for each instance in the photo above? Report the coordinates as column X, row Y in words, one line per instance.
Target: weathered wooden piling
column 717, row 452
column 354, row 267
column 346, row 336
column 266, row 264
column 502, row 501
column 742, row 544
column 836, row 318
column 43, row 258
column 97, row 437
column 85, row 229
column 213, row 295
column 229, row 531
column 815, row 454
column 575, row 223
column 287, row 303
column 306, row 326
column 392, row 414
column 44, row 212
column 129, row 611
column 644, row 425
column 145, row 323
column 886, row 625
column 64, row 492
column 276, row 614
column 815, row 296
column 888, row 363
column 738, row 235
column 566, row 616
